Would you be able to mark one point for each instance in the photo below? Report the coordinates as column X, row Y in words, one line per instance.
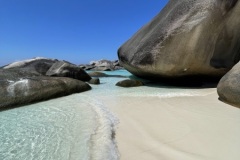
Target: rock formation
column 65, row 69
column 229, row 86
column 102, row 65
column 49, row 67
column 38, row 65
column 187, row 38
column 39, row 79
column 21, row 87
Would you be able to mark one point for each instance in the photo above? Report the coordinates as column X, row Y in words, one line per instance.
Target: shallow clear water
column 108, row 88
column 57, row 129
column 76, row 127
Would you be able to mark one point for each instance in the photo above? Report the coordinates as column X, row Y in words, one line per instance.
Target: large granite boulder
column 36, row 65
column 65, row 69
column 187, row 38
column 20, row 87
column 229, row 86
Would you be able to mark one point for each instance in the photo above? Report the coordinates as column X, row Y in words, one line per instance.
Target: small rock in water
column 101, row 68
column 97, row 74
column 100, row 74
column 129, row 83
column 94, row 81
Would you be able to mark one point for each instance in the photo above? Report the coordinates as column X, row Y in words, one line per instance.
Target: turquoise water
column 76, row 127
column 64, row 128
column 108, row 88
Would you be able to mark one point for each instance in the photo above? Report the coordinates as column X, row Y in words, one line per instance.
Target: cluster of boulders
column 187, row 39
column 102, row 65
column 40, row 79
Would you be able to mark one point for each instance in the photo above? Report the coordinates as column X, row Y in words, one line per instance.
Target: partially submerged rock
column 101, row 68
column 20, row 88
column 101, row 74
column 65, row 69
column 94, row 81
column 129, row 83
column 229, row 86
column 97, row 74
column 187, row 38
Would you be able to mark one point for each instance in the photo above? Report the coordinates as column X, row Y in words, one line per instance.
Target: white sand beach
column 179, row 128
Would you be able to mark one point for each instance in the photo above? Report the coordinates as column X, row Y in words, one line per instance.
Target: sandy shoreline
column 179, row 128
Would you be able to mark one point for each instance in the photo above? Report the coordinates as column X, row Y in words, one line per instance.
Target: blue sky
column 74, row 30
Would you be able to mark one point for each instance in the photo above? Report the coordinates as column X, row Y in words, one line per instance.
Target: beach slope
column 176, row 128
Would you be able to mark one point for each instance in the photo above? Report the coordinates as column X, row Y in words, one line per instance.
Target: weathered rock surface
column 187, row 38
column 129, row 83
column 65, row 69
column 20, row 87
column 229, row 86
column 36, row 65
